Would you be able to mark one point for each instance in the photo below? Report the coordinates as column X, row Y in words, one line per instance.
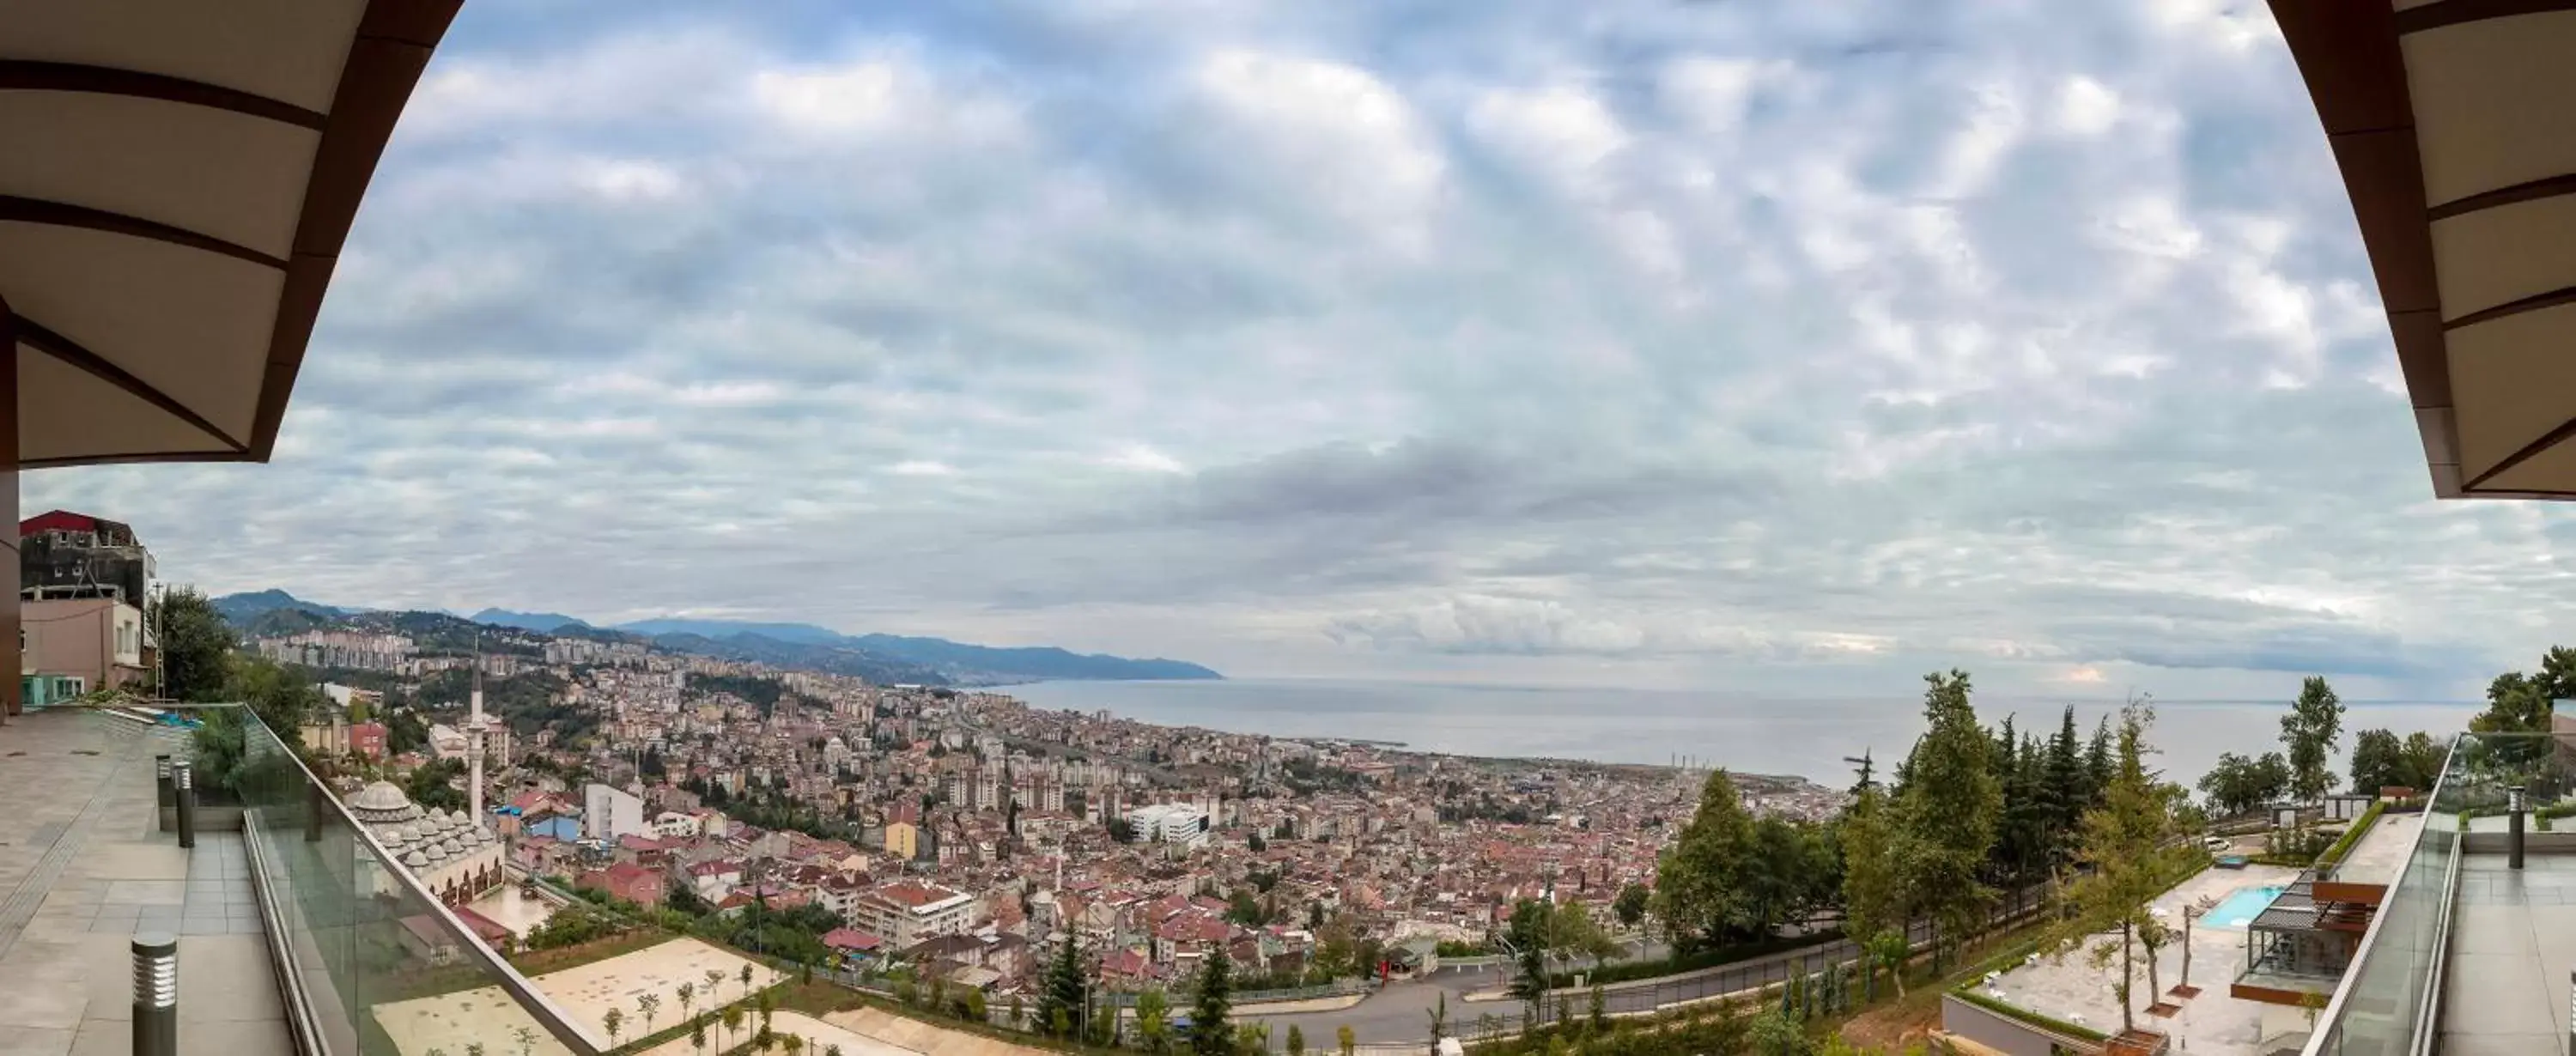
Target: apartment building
column 906, row 912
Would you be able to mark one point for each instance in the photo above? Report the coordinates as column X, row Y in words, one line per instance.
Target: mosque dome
column 383, row 803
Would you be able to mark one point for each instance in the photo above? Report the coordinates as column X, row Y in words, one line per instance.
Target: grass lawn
column 538, row 962
column 1893, row 1024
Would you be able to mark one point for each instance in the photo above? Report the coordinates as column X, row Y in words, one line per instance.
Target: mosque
column 445, row 850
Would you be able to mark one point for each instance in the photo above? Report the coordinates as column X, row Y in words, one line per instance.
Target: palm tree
column 527, row 1040
column 793, row 1045
column 613, row 1020
column 648, row 1004
column 473, row 1048
column 713, row 977
column 831, row 1050
column 698, row 1032
column 733, row 1020
column 746, row 979
column 686, row 993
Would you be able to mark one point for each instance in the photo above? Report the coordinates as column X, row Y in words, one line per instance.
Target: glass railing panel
column 385, row 968
column 2390, row 1004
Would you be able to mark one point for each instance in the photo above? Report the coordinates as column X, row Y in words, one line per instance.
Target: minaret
column 474, row 739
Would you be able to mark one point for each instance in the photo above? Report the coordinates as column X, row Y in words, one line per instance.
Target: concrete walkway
column 83, row 869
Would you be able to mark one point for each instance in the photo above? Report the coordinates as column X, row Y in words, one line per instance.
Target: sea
column 1810, row 737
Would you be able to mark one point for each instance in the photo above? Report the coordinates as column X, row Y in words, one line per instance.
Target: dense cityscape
column 920, row 813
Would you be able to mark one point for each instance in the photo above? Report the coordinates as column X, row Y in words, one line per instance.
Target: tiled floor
column 2513, row 941
column 82, row 868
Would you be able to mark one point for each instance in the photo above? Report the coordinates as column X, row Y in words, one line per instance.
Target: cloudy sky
column 1793, row 346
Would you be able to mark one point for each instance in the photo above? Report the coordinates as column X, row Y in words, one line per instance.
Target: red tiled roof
column 851, row 939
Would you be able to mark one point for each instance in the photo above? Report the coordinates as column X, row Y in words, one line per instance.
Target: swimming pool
column 2242, row 906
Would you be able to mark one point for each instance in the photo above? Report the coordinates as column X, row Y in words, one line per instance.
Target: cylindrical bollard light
column 183, row 781
column 156, row 994
column 2513, row 808
column 161, row 779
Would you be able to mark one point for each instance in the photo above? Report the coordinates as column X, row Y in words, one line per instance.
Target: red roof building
column 626, row 880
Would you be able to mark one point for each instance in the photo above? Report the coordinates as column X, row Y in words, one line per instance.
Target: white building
column 1185, row 824
column 608, row 813
column 835, row 751
column 673, row 825
column 909, row 911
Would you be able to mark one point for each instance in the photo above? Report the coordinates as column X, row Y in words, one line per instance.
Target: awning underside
column 176, row 183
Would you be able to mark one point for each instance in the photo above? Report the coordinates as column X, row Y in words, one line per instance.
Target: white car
column 2217, row 844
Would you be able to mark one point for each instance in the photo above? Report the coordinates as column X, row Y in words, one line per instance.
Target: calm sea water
column 1804, row 736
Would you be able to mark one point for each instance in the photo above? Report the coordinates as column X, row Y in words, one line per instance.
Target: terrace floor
column 2513, row 941
column 83, row 867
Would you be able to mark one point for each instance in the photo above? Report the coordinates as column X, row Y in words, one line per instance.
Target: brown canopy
column 2451, row 122
column 176, row 178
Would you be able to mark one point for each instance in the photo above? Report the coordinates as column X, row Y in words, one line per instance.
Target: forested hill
column 880, row 658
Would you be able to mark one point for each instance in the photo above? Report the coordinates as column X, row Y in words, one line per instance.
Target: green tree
column 613, row 1020
column 2310, row 732
column 1773, row 1033
column 1698, row 885
column 697, row 1034
column 2236, row 784
column 1947, row 812
column 2516, row 704
column 2422, row 758
column 1296, row 1041
column 1067, row 987
column 2070, row 786
column 1243, row 907
column 648, row 1004
column 2122, row 838
column 1630, row 906
column 1210, row 1035
column 2097, row 764
column 1873, row 892
column 978, row 1009
column 196, row 646
column 1154, row 1022
column 2378, row 760
column 1348, row 1041
column 733, row 1020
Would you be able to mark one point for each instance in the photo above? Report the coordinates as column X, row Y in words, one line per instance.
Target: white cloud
column 1726, row 340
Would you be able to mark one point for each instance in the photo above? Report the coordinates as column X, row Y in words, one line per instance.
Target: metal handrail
column 2330, row 1020
column 525, row 993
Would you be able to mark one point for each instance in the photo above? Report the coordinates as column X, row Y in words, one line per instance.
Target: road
column 1401, row 1012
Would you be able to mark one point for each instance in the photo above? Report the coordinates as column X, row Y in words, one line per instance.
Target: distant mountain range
column 881, row 658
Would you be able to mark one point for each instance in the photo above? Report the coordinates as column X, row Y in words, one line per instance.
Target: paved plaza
column 2071, row 989
column 585, row 994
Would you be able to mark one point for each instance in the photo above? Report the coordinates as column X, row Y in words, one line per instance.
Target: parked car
column 2217, row 844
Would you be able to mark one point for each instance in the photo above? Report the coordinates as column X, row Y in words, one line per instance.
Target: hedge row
column 2351, row 835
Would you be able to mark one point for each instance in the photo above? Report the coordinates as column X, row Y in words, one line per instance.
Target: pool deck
column 2068, row 987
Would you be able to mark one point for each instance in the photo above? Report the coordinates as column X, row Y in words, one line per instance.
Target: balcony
column 85, row 868
column 2469, row 954
column 296, row 932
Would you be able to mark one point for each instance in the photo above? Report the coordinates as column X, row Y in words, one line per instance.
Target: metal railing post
column 161, row 781
column 156, row 994
column 313, row 808
column 183, row 782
